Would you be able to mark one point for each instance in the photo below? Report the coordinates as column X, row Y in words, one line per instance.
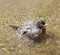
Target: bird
column 32, row 30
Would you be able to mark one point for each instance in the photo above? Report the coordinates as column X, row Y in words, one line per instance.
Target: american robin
column 42, row 28
column 32, row 30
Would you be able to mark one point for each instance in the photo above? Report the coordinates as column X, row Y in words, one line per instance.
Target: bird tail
column 14, row 27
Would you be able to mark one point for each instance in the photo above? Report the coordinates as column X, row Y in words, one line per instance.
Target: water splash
column 28, row 29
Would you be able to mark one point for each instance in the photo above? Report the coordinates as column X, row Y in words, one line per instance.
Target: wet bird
column 32, row 30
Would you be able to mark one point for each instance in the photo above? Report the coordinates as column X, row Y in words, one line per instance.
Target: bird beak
column 46, row 24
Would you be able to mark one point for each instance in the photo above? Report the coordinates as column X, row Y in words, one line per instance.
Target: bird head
column 41, row 24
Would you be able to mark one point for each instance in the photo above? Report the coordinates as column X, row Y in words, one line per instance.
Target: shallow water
column 14, row 12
